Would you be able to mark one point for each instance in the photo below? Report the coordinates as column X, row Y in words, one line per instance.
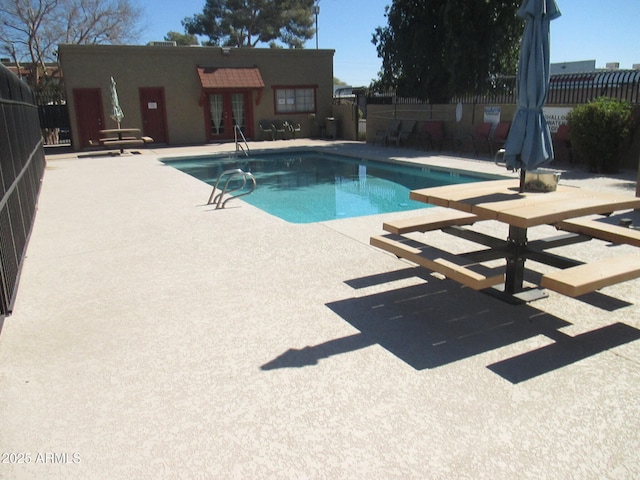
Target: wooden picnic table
column 501, row 200
column 119, row 131
column 121, row 138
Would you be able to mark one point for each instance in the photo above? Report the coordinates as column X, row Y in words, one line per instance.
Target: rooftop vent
column 163, row 44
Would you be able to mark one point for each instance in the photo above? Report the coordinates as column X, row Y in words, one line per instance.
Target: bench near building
column 193, row 95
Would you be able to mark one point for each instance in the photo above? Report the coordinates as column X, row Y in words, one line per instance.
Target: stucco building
column 193, row 95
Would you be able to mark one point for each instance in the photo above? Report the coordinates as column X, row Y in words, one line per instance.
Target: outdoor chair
column 482, row 136
column 267, row 130
column 383, row 136
column 432, row 134
column 279, row 128
column 499, row 137
column 292, row 127
column 404, row 133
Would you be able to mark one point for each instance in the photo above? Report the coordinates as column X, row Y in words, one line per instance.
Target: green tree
column 437, row 49
column 181, row 38
column 245, row 23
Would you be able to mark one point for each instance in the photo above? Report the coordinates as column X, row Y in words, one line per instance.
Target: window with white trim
column 296, row 100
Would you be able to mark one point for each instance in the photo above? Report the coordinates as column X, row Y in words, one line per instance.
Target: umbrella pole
column 522, row 175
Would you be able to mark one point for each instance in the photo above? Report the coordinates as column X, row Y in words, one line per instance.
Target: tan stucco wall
column 378, row 116
column 174, row 68
column 346, row 116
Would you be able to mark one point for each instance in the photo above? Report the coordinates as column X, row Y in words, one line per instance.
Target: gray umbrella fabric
column 116, row 112
column 529, row 142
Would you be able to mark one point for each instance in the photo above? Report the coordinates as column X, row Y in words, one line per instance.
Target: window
column 295, row 100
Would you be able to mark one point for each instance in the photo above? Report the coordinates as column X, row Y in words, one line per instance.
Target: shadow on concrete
column 565, row 351
column 308, row 356
column 436, row 323
column 109, row 153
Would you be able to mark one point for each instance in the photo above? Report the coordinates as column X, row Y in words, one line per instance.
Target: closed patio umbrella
column 116, row 112
column 529, row 142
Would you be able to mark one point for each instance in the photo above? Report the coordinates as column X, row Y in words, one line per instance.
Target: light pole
column 316, row 11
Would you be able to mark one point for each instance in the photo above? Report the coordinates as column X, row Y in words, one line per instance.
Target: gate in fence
column 54, row 118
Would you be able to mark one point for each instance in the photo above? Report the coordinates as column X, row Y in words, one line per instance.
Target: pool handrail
column 230, row 174
column 236, row 130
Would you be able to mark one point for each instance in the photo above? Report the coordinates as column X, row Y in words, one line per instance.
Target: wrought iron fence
column 574, row 88
column 22, row 165
column 582, row 87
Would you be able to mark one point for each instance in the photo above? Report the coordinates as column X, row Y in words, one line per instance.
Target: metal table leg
column 517, row 246
column 517, row 251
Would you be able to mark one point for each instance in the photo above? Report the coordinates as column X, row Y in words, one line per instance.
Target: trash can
column 331, row 127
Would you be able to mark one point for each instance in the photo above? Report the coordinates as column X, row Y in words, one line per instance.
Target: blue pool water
column 308, row 186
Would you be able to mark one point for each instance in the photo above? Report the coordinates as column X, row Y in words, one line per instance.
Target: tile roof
column 212, row 77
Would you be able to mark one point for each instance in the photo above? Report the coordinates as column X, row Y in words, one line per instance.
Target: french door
column 225, row 110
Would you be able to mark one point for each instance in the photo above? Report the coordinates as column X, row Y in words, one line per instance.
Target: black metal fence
column 582, row 87
column 572, row 88
column 22, row 165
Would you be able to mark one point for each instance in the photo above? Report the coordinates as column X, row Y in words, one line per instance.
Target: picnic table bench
column 437, row 260
column 588, row 277
column 123, row 137
column 426, row 223
column 600, row 230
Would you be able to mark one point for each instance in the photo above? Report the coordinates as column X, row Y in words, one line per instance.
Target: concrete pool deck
column 155, row 337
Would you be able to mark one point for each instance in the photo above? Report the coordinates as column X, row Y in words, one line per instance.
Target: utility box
column 331, row 127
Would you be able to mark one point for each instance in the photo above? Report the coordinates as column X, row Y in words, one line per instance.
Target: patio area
column 156, row 337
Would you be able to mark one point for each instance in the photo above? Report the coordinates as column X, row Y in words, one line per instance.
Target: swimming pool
column 307, row 186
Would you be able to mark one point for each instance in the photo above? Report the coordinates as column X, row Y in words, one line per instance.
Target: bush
column 598, row 131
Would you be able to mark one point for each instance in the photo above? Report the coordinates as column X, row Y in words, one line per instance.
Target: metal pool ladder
column 236, row 131
column 230, row 175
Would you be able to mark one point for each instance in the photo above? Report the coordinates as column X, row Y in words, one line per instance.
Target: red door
column 89, row 115
column 226, row 110
column 153, row 112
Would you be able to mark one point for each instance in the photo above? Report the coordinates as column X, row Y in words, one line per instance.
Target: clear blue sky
column 600, row 30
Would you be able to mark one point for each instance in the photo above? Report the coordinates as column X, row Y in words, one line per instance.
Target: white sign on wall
column 492, row 115
column 556, row 116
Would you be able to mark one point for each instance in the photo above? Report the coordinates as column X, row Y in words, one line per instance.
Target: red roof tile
column 212, row 77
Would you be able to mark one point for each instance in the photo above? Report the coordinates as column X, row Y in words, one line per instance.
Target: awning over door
column 215, row 79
